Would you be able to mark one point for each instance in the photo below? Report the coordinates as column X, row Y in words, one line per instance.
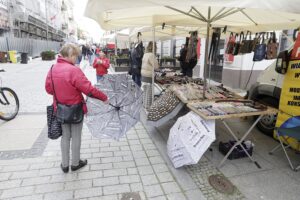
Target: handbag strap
column 53, row 86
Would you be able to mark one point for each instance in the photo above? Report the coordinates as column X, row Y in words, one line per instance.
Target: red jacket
column 69, row 84
column 101, row 69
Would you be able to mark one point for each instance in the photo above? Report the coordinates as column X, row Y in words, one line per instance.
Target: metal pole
column 46, row 10
column 116, row 35
column 10, row 20
column 153, row 72
column 206, row 50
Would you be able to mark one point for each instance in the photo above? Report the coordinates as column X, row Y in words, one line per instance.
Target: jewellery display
column 162, row 106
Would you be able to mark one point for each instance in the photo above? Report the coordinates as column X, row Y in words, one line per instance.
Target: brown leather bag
column 272, row 47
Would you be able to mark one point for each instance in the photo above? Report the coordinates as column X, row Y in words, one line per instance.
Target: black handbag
column 238, row 45
column 54, row 126
column 260, row 50
column 246, row 44
column 67, row 114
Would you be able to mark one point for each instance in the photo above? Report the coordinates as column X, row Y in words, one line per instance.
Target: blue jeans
column 137, row 79
column 99, row 77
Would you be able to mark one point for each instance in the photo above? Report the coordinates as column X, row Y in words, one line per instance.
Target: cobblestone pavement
column 132, row 164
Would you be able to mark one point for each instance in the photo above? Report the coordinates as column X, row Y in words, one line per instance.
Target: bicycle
column 9, row 103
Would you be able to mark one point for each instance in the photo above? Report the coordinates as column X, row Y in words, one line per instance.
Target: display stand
column 268, row 111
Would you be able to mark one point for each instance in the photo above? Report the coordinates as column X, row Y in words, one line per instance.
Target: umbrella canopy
column 253, row 15
column 114, row 120
column 189, row 139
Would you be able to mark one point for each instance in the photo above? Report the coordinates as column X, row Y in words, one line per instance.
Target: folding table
column 268, row 111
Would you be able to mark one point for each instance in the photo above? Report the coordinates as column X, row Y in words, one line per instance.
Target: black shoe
column 64, row 169
column 81, row 164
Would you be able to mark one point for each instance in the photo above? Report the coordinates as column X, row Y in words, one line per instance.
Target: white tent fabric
column 253, row 15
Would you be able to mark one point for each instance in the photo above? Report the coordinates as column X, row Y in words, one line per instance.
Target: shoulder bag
column 67, row 114
column 238, row 44
column 230, row 44
column 272, row 47
column 260, row 49
column 246, row 44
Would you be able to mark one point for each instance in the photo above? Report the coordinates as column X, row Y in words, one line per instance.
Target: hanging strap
column 54, row 94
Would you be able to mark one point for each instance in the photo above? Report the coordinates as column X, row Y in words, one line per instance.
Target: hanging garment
column 192, row 47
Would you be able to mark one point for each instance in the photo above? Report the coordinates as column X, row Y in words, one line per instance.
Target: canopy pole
column 206, row 50
column 154, row 57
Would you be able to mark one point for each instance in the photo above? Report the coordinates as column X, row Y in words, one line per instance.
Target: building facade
column 39, row 19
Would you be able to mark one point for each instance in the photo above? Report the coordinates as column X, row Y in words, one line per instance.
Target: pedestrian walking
column 90, row 55
column 136, row 56
column 101, row 65
column 149, row 63
column 66, row 82
column 182, row 59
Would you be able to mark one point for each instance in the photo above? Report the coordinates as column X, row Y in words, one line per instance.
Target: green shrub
column 48, row 55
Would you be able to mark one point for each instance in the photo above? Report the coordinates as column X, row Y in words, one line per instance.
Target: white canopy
column 254, row 15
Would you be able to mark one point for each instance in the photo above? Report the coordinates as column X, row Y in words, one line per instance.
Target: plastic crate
column 238, row 152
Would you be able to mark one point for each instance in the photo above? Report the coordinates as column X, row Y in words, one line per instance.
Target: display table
column 194, row 107
column 120, row 61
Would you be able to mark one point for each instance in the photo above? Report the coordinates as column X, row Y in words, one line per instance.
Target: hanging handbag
column 260, row 50
column 238, row 44
column 246, row 44
column 230, row 44
column 67, row 114
column 54, row 126
column 282, row 62
column 255, row 42
column 272, row 47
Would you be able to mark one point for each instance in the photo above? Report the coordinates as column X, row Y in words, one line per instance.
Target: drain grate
column 221, row 184
column 131, row 196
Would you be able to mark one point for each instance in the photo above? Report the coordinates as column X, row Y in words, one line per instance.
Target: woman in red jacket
column 69, row 83
column 101, row 65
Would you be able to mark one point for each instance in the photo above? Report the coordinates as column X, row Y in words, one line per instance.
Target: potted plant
column 48, row 55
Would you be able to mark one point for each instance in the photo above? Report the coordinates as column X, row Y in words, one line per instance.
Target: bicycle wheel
column 9, row 104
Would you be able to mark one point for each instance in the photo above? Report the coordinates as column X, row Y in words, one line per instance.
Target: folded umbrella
column 123, row 112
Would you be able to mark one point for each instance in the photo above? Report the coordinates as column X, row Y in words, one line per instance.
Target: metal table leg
column 239, row 142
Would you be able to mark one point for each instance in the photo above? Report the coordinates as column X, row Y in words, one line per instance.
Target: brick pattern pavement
column 132, row 164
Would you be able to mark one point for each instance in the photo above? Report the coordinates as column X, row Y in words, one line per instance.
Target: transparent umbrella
column 123, row 112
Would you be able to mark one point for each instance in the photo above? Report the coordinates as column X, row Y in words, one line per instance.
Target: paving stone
column 151, row 153
column 132, row 171
column 52, row 171
column 129, row 179
column 108, row 197
column 136, row 187
column 89, row 150
column 5, row 176
column 156, row 160
column 101, row 166
column 31, row 197
column 118, row 144
column 125, row 148
column 94, row 161
column 41, row 165
column 134, row 142
column 46, row 188
column 127, row 164
column 106, row 181
column 111, row 159
column 149, row 146
column 165, row 177
column 64, row 178
column 136, row 147
column 176, row 196
column 35, row 181
column 25, row 174
column 10, row 184
column 14, row 168
column 89, row 175
column 149, row 180
column 153, row 191
column 17, row 192
column 78, row 184
column 91, row 192
column 103, row 154
column 146, row 141
column 139, row 154
column 116, row 189
column 86, row 155
column 158, row 198
column 122, row 153
column 170, row 187
column 114, row 172
column 145, row 170
column 128, row 158
column 64, row 195
column 104, row 149
column 142, row 161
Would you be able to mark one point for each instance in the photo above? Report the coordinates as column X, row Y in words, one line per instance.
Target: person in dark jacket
column 136, row 56
column 182, row 59
column 69, row 82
